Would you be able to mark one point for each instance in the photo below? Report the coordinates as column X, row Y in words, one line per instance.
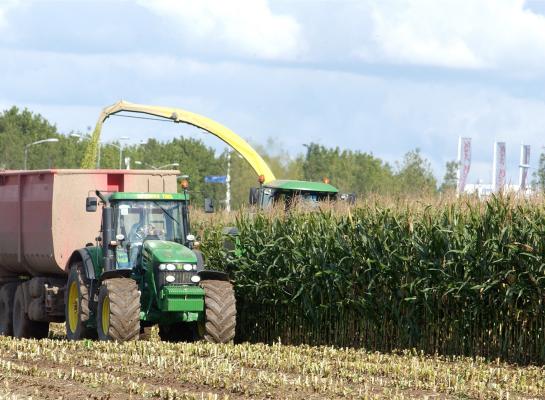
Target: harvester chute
column 182, row 116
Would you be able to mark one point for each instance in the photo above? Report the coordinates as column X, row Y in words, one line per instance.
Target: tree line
column 350, row 171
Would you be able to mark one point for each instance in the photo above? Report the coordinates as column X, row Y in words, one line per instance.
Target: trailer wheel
column 220, row 311
column 7, row 293
column 23, row 327
column 76, row 305
column 118, row 314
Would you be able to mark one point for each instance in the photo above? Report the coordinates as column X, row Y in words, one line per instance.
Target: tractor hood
column 162, row 251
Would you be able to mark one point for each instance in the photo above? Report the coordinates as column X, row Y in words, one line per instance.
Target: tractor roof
column 288, row 184
column 148, row 196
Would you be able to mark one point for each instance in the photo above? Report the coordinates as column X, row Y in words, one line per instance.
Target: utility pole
column 228, row 183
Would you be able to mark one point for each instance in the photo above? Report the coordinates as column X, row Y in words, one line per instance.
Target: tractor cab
column 138, row 218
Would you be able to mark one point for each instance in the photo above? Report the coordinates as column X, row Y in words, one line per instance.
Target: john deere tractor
column 146, row 272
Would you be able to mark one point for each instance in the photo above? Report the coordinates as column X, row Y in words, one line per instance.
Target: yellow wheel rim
column 105, row 315
column 73, row 307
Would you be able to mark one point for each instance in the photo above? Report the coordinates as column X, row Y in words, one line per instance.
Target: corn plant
column 457, row 277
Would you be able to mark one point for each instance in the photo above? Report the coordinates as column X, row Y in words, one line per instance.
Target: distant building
column 483, row 190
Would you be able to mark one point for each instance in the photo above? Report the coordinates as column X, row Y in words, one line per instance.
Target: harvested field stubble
column 61, row 369
column 459, row 277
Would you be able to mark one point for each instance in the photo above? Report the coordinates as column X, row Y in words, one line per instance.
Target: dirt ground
column 57, row 369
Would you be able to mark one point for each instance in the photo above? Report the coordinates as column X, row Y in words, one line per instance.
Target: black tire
column 7, row 294
column 220, row 311
column 76, row 329
column 179, row 332
column 119, row 301
column 23, row 327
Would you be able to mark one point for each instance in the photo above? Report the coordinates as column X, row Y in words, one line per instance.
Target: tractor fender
column 83, row 256
column 200, row 259
column 116, row 273
column 213, row 275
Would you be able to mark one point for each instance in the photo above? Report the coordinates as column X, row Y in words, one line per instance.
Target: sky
column 382, row 77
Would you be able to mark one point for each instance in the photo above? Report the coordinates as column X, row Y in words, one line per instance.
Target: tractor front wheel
column 118, row 314
column 220, row 311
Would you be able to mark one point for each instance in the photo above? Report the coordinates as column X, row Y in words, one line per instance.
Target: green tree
column 193, row 157
column 20, row 128
column 450, row 179
column 350, row 171
column 414, row 175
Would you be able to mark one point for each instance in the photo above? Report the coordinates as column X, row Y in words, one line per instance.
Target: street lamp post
column 50, row 140
column 120, row 147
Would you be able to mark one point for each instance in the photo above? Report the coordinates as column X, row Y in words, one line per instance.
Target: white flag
column 498, row 178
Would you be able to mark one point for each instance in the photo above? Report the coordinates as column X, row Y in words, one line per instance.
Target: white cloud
column 5, row 6
column 496, row 34
column 246, row 27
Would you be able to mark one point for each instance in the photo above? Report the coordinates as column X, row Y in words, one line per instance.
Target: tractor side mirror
column 254, row 196
column 91, row 204
column 208, row 205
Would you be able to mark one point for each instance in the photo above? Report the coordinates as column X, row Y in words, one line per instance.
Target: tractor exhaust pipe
column 108, row 234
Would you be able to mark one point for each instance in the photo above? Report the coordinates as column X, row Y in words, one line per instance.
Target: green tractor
column 144, row 271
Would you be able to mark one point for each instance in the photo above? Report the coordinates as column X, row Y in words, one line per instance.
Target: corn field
column 58, row 369
column 459, row 277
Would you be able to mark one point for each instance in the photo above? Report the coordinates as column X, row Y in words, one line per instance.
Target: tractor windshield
column 139, row 220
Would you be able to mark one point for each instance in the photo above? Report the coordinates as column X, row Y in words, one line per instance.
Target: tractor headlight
column 162, row 267
column 188, row 267
column 171, row 267
column 195, row 279
column 170, row 278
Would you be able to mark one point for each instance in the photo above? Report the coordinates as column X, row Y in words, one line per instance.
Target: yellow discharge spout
column 178, row 115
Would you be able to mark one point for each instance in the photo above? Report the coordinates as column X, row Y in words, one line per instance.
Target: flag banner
column 215, row 179
column 464, row 162
column 499, row 166
column 524, row 165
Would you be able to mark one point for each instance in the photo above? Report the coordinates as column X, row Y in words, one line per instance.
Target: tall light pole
column 50, row 140
column 120, row 147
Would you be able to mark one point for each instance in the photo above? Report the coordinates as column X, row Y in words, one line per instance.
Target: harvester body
column 290, row 192
column 273, row 189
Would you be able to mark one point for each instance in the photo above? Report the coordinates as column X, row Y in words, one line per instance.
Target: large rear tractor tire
column 7, row 294
column 220, row 311
column 23, row 327
column 118, row 314
column 76, row 305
